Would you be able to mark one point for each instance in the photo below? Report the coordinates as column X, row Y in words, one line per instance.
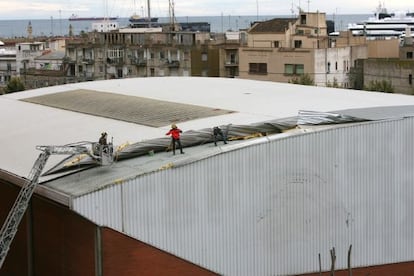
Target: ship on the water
column 74, row 17
column 138, row 19
column 384, row 24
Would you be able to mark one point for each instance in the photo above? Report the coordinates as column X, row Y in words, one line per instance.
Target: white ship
column 384, row 25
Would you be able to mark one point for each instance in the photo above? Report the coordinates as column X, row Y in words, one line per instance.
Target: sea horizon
column 218, row 24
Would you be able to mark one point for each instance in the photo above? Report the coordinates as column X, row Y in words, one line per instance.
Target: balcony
column 173, row 63
column 88, row 61
column 139, row 62
column 231, row 63
column 67, row 59
column 115, row 61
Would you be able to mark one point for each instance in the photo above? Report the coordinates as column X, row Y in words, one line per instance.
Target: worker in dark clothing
column 216, row 132
column 103, row 144
column 102, row 139
column 175, row 137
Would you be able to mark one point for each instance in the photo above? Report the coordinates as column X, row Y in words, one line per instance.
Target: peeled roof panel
column 143, row 111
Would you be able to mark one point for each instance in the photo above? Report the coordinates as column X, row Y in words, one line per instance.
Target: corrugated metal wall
column 271, row 208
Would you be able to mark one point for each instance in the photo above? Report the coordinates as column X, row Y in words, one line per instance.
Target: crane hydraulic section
column 9, row 229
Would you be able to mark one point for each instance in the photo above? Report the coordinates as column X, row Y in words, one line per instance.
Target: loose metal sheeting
column 324, row 118
column 199, row 137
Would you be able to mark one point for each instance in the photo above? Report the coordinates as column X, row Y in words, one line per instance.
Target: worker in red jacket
column 175, row 137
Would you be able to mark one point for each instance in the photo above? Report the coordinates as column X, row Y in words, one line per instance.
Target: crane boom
column 11, row 224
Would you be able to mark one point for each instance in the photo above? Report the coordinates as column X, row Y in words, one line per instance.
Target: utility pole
column 149, row 13
column 51, row 25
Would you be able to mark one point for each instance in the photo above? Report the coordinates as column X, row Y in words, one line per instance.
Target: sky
column 45, row 9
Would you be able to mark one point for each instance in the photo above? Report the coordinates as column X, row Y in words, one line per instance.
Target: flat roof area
column 24, row 124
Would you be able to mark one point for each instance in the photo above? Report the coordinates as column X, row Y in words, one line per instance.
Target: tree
column 14, row 85
column 304, row 79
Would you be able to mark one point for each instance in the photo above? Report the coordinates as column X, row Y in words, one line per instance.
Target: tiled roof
column 276, row 25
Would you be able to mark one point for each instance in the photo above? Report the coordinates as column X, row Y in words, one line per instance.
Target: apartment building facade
column 135, row 54
column 284, row 49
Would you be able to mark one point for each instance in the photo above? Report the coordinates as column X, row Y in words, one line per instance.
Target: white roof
column 25, row 125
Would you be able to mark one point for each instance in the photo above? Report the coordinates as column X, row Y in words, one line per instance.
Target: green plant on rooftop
column 14, row 85
column 380, row 86
column 304, row 79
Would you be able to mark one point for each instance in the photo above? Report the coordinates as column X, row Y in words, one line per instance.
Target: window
column 162, row 55
column 303, row 19
column 298, row 43
column 294, row 69
column 276, row 44
column 9, row 67
column 410, row 55
column 115, row 53
column 258, row 68
column 336, row 66
column 410, row 79
column 329, row 67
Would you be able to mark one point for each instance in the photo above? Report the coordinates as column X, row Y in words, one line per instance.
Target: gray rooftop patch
column 131, row 109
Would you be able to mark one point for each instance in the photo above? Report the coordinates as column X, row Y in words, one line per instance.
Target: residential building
column 131, row 54
column 26, row 52
column 283, row 49
column 48, row 70
column 7, row 63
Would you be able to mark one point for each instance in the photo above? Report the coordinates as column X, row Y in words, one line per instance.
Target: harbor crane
column 102, row 154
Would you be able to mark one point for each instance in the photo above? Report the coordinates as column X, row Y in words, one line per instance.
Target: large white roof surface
column 25, row 125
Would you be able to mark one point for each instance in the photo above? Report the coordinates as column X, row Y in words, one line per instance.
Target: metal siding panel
column 104, row 207
column 271, row 208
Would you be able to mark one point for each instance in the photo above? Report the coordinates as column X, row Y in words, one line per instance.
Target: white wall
column 340, row 64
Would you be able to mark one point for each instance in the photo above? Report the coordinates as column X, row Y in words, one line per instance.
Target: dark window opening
column 258, row 68
column 303, row 19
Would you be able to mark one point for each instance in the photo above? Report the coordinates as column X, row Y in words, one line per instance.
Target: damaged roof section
column 138, row 110
column 203, row 136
